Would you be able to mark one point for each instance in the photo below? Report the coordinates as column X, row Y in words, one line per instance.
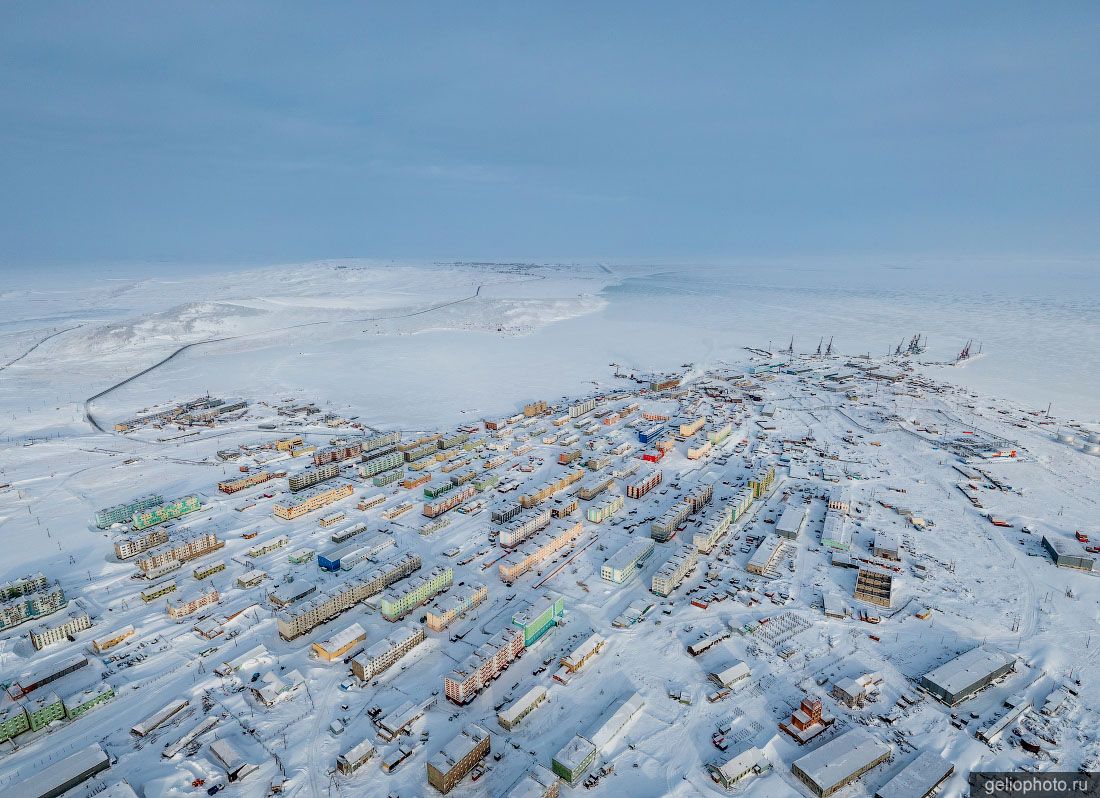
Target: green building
column 436, row 489
column 536, row 619
column 397, row 602
column 166, row 512
column 13, row 721
column 45, row 710
column 574, row 759
column 79, row 703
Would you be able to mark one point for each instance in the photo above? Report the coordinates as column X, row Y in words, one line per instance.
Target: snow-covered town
column 803, row 574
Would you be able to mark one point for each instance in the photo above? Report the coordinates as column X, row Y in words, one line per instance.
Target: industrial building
column 919, row 779
column 875, row 586
column 1066, row 554
column 62, row 775
column 886, row 546
column 46, row 674
column 840, row 761
column 834, row 531
column 381, row 655
column 766, row 556
column 960, row 678
column 458, row 757
column 732, row 771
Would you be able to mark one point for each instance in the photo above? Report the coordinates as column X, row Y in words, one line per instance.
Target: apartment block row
column 675, row 570
column 188, row 546
column 326, row 605
column 311, row 499
column 539, row 493
column 165, row 512
column 537, row 550
column 484, row 665
column 400, row 600
column 523, row 526
column 455, row 604
column 309, row 477
column 387, row 651
column 37, row 713
column 32, row 605
column 124, row 513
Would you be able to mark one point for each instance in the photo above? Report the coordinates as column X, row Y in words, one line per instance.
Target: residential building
column 124, row 513
column 327, row 604
column 80, row 703
column 523, row 526
column 36, row 604
column 510, row 716
column 112, row 639
column 380, row 656
column 644, row 484
column 458, row 757
column 43, row 710
column 454, row 604
column 59, row 630
column 538, row 493
column 132, row 545
column 675, row 570
column 355, row 757
column 545, row 612
column 310, row 499
column 732, row 771
column 309, row 477
column 335, row 647
column 598, row 513
column 165, row 512
column 840, row 761
column 886, row 546
column 274, row 687
column 484, row 665
column 574, row 759
column 533, row 552
column 715, row 523
column 588, row 648
column 622, row 565
column 182, row 606
column 434, row 509
column 234, row 485
column 762, row 481
column 13, row 721
column 536, row 783
column 399, row 601
column 188, row 546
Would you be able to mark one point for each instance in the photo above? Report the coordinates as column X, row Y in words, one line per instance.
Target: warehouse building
column 834, row 531
column 959, row 679
column 729, row 773
column 47, row 674
column 732, row 674
column 919, row 779
column 60, row 776
column 791, row 522
column 458, row 757
column 1065, row 554
column 840, row 761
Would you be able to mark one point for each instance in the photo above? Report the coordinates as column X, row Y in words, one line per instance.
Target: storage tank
column 1066, row 437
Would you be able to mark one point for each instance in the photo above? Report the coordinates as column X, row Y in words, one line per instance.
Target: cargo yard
column 796, row 575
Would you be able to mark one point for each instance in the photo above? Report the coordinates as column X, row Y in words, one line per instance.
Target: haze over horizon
column 252, row 132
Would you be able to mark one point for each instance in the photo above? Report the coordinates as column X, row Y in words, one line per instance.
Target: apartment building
column 338, row 453
column 58, row 630
column 538, row 617
column 309, row 477
column 484, row 665
column 593, row 486
column 523, row 526
column 124, row 513
column 112, row 639
column 622, row 565
column 310, row 499
column 766, row 556
column 178, row 508
column 715, row 523
column 327, row 604
column 533, row 552
column 598, row 513
column 84, row 701
column 544, row 490
column 675, row 570
column 188, row 546
column 182, row 606
column 456, row 603
column 132, row 545
column 235, row 485
column 588, row 648
column 387, row 651
column 399, row 601
column 436, row 508
column 644, row 484
column 335, row 647
column 458, row 757
column 27, row 607
column 875, row 586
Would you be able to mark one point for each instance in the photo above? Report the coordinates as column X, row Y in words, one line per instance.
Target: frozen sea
column 434, row 353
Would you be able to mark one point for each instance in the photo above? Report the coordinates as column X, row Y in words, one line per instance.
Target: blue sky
column 630, row 130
